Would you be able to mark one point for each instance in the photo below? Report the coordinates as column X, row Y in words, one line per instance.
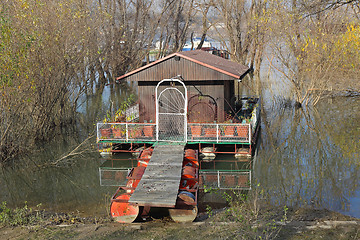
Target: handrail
column 196, row 132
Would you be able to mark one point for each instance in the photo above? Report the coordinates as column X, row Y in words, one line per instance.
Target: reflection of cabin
column 209, row 80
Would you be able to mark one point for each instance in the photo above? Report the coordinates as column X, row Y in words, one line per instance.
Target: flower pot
column 105, row 132
column 229, row 131
column 134, row 133
column 117, row 133
column 243, row 131
column 149, row 131
column 196, row 130
column 210, row 132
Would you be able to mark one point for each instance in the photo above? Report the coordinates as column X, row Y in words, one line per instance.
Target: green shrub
column 19, row 216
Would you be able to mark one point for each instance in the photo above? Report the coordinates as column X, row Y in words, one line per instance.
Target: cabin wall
column 146, row 103
column 202, row 108
column 229, row 102
column 196, row 77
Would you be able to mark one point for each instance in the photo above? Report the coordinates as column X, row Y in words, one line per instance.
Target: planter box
column 149, row 131
column 229, row 131
column 117, row 133
column 210, row 132
column 243, row 131
column 196, row 131
column 105, row 132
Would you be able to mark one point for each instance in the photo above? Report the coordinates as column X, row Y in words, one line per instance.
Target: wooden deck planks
column 159, row 185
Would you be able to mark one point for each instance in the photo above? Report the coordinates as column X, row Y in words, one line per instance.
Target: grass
column 243, row 218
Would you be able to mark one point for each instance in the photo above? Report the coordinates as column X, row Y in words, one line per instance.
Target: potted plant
column 135, row 132
column 242, row 131
column 229, row 131
column 117, row 132
column 149, row 131
column 196, row 130
column 211, row 132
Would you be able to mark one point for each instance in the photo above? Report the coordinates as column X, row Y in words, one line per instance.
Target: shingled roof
column 205, row 59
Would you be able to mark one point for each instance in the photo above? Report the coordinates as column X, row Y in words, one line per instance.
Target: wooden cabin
column 209, row 80
column 187, row 97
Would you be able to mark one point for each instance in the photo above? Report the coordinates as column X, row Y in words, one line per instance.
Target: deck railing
column 197, row 132
column 127, row 132
column 219, row 132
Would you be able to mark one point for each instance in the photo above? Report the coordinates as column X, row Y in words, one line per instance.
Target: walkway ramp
column 159, row 185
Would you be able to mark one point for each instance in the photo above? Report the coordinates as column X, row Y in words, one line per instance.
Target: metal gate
column 171, row 111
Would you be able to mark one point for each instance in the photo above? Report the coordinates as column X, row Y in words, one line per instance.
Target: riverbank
column 272, row 223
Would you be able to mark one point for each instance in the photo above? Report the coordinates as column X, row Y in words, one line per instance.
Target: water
column 312, row 158
column 305, row 157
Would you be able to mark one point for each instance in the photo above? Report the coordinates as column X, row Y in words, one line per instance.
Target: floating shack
column 186, row 100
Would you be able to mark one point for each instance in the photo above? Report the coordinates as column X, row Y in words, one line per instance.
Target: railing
column 197, row 132
column 127, row 132
column 219, row 132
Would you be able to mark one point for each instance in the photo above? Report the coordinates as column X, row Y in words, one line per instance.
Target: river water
column 305, row 157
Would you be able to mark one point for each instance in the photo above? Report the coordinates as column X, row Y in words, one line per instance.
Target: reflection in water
column 311, row 158
column 72, row 184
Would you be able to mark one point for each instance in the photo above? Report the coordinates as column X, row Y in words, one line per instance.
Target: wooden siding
column 202, row 109
column 189, row 70
column 147, row 103
column 229, row 95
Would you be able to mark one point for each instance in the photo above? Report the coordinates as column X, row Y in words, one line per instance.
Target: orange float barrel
column 144, row 158
column 146, row 153
column 186, row 213
column 143, row 162
column 123, row 212
column 188, row 172
column 190, row 158
column 191, row 163
column 188, row 184
column 190, row 154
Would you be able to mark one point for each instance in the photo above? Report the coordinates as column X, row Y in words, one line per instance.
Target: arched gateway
column 171, row 111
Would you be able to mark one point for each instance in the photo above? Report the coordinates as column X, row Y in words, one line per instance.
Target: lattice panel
column 171, row 127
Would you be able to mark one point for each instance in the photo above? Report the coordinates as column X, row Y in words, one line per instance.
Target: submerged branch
column 77, row 151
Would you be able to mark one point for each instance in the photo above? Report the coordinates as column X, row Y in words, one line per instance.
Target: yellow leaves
column 24, row 4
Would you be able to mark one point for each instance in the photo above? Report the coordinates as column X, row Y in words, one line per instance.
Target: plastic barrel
column 186, row 196
column 123, row 212
column 188, row 172
column 190, row 154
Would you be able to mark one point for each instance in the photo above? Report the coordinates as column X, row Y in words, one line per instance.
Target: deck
column 196, row 132
column 159, row 185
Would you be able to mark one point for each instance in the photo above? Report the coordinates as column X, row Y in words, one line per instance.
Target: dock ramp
column 159, row 186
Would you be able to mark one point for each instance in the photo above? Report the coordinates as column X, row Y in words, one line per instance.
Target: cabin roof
column 232, row 69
